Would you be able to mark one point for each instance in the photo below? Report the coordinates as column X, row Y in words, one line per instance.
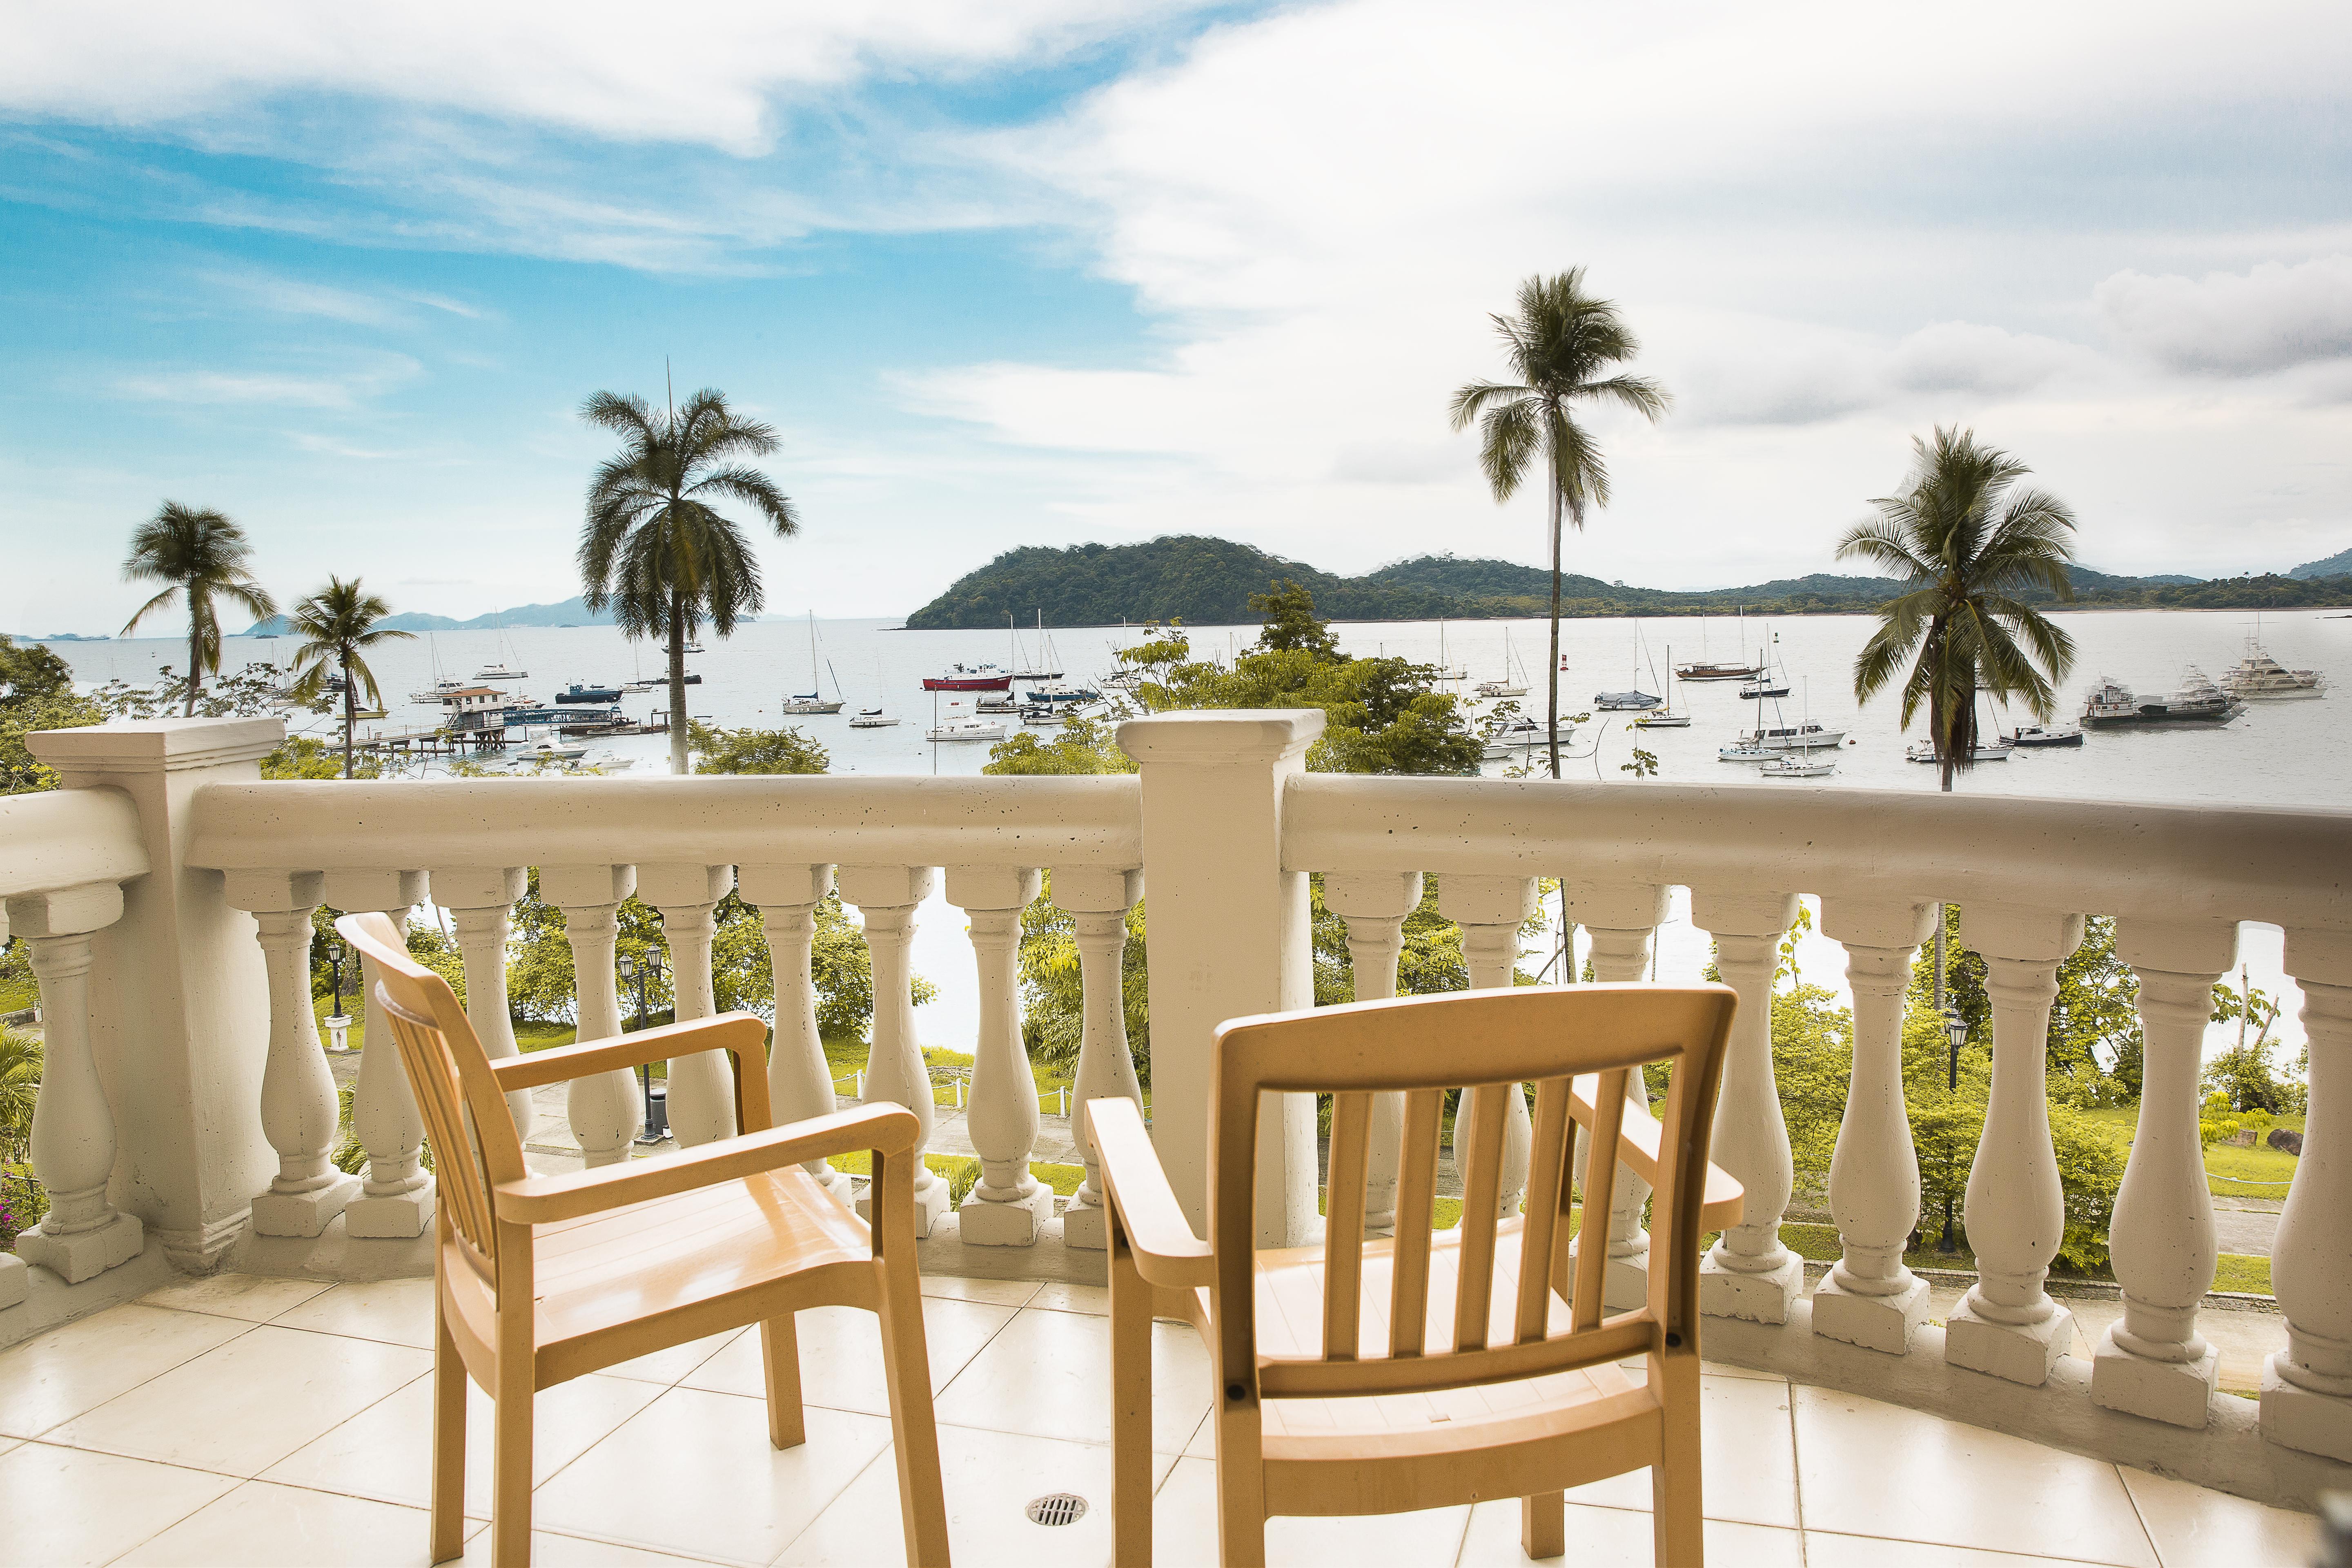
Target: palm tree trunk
column 677, row 683
column 195, row 650
column 1551, row 668
column 350, row 716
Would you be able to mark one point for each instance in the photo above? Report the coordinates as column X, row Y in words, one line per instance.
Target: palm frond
column 1469, row 402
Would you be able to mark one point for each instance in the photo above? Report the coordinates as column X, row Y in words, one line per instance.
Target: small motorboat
column 1762, row 689
column 577, row 693
column 1662, row 721
column 2035, row 735
column 1041, row 713
column 1995, row 752
column 549, row 751
column 1626, row 701
column 964, row 730
column 871, row 718
column 1788, row 768
column 1744, row 751
column 500, row 672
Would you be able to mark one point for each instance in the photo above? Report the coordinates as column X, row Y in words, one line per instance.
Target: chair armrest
column 1166, row 1251
column 744, row 1036
column 1637, row 1147
column 536, row 1199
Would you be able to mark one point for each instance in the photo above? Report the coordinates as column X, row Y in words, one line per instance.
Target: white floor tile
column 58, row 1375
column 1061, row 1297
column 993, row 1292
column 1184, row 1530
column 260, row 1525
column 1931, row 1479
column 255, row 1298
column 244, row 1407
column 987, row 1480
column 60, row 1507
column 667, row 1366
column 2194, row 1527
column 398, row 1312
column 1825, row 1549
column 693, row 1473
column 386, row 1452
column 841, row 1354
column 1618, row 1538
column 549, row 1550
column 1747, row 1457
column 1048, row 1374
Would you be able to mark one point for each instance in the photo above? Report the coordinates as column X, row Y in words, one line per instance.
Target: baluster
column 1008, row 1205
column 1870, row 1298
column 395, row 1199
column 2307, row 1387
column 1490, row 910
column 1097, row 901
column 2154, row 1363
column 83, row 1234
column 1619, row 919
column 603, row 1108
column 701, row 1085
column 300, row 1111
column 2016, row 1214
column 480, row 901
column 895, row 1072
column 1375, row 904
column 800, row 1081
column 1748, row 1273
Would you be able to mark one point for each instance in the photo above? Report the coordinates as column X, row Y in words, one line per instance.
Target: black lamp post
column 657, row 1122
column 1956, row 1030
column 335, row 958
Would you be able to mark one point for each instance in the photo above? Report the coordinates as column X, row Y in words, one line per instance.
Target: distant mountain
column 572, row 612
column 1208, row 582
column 2337, row 565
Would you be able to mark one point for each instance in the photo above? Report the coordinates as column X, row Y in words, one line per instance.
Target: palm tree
column 335, row 624
column 201, row 553
column 655, row 548
column 1562, row 346
column 1965, row 544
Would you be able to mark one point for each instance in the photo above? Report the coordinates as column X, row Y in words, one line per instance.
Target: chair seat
column 631, row 1269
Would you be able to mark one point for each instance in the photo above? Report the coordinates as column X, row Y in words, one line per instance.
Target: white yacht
column 1744, row 751
column 1985, row 751
column 1523, row 735
column 871, row 718
column 1783, row 766
column 1793, row 738
column 964, row 730
column 2259, row 677
column 497, row 671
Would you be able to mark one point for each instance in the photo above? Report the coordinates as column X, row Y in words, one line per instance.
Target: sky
column 1050, row 271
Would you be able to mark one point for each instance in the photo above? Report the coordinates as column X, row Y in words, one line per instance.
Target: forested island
column 1208, row 582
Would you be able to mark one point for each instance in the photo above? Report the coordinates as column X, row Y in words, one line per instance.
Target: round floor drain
column 1057, row 1508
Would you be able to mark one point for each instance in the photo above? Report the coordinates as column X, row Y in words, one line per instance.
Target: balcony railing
column 166, row 893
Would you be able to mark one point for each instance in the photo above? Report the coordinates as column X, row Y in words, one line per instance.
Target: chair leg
column 1676, row 1497
column 448, row 1519
column 1543, row 1524
column 779, row 1356
column 1130, row 1393
column 510, row 1465
column 922, row 1503
column 1241, row 1505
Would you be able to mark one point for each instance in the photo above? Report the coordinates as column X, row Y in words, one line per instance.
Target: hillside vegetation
column 1208, row 582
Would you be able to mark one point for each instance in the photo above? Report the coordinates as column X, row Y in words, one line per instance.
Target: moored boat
column 2037, row 735
column 2199, row 701
column 2259, row 677
column 970, row 678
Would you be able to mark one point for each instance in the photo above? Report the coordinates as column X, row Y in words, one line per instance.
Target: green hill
column 2337, row 565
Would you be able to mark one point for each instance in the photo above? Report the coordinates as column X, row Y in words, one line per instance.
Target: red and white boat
column 970, row 678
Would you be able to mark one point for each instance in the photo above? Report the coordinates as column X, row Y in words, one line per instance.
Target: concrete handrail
column 739, row 820
column 67, row 838
column 2289, row 868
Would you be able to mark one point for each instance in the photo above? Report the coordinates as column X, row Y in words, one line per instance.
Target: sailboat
column 1666, row 718
column 1807, row 736
column 442, row 684
column 1515, row 674
column 812, row 700
column 1635, row 701
column 1710, row 669
column 872, row 718
column 1766, row 684
column 496, row 669
column 1444, row 670
column 1043, row 663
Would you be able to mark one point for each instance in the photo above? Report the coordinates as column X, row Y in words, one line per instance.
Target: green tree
column 2097, row 1049
column 202, row 554
column 755, row 751
column 1967, row 547
column 338, row 625
column 1291, row 624
column 1081, row 745
column 20, row 1083
column 656, row 548
column 2244, row 1074
column 1564, row 346
column 37, row 692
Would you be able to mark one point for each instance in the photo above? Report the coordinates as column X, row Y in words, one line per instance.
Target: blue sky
column 1061, row 271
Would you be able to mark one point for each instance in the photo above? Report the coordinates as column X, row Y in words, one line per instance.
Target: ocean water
column 2288, row 753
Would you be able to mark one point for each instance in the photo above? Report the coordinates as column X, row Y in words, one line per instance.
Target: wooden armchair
column 539, row 1279
column 1378, row 1377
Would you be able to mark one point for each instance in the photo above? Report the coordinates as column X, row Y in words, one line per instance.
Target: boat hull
column 967, row 683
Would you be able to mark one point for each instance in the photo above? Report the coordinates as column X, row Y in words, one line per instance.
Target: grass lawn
column 2229, row 1172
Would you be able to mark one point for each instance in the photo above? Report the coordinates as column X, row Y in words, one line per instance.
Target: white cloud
column 344, row 389
column 2269, row 318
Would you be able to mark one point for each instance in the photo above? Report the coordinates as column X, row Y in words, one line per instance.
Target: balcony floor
column 252, row 1421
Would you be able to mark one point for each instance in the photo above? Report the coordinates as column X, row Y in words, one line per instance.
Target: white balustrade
column 1008, row 1205
column 603, row 1107
column 83, row 1234
column 2307, row 1387
column 300, row 1108
column 2008, row 1325
column 800, row 1083
column 480, row 901
column 1870, row 1298
column 1097, row 901
column 395, row 1199
column 1490, row 910
column 1621, row 919
column 703, row 1086
column 895, row 1071
column 1375, row 904
column 1749, row 1273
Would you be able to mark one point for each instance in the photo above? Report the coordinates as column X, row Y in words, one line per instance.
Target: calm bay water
column 2286, row 754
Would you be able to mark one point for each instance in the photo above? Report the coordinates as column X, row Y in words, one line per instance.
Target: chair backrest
column 475, row 1145
column 1480, row 1323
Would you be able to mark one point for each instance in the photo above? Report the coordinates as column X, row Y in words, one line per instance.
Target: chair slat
column 1600, row 1184
column 1482, row 1184
column 1343, row 1225
column 1547, row 1209
column 1424, row 1116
